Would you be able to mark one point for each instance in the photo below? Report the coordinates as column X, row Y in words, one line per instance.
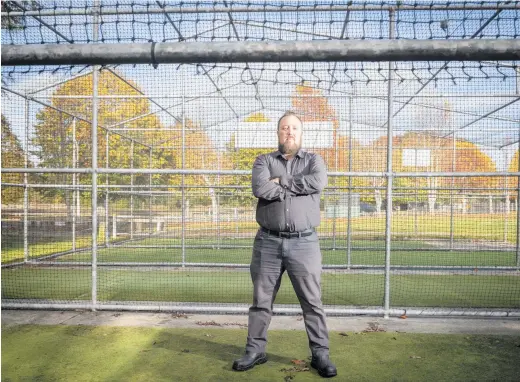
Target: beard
column 289, row 147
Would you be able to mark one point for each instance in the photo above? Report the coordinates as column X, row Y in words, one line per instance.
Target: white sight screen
column 416, row 158
column 263, row 134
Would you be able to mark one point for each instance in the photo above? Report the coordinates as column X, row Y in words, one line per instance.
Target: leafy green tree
column 54, row 131
column 13, row 156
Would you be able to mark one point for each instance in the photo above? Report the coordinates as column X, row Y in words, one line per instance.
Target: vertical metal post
column 217, row 197
column 95, row 105
column 518, row 207
column 389, row 169
column 349, row 212
column 416, row 181
column 183, row 163
column 26, row 188
column 506, row 196
column 336, row 202
column 74, row 176
column 150, row 226
column 132, row 190
column 453, row 169
column 107, row 191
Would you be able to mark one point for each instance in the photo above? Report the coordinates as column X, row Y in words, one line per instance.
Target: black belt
column 287, row 235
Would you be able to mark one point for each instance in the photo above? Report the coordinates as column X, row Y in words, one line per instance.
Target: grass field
column 234, row 286
column 81, row 353
column 403, row 253
column 427, row 289
column 367, row 231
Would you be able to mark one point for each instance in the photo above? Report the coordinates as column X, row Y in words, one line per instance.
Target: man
column 287, row 183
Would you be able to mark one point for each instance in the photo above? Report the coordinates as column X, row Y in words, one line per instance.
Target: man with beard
column 287, row 183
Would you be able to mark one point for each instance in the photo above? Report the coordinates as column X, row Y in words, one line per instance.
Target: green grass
column 330, row 257
column 366, row 231
column 402, row 253
column 81, row 353
column 232, row 286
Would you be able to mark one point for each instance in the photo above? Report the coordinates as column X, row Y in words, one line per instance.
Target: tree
column 200, row 154
column 16, row 22
column 243, row 159
column 13, row 156
column 54, row 130
column 469, row 158
column 512, row 181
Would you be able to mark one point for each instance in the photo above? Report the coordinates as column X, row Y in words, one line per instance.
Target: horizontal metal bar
column 29, row 98
column 419, row 269
column 498, row 193
column 261, row 51
column 382, row 96
column 247, row 172
column 244, row 308
column 263, row 9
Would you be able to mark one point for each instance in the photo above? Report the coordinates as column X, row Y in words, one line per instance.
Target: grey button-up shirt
column 293, row 205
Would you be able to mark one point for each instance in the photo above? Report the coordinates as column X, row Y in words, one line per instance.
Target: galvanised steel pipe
column 261, row 51
column 262, row 9
column 242, row 308
column 100, row 170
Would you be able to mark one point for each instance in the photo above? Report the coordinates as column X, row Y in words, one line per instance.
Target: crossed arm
column 267, row 187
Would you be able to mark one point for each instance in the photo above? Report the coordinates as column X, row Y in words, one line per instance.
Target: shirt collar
column 299, row 154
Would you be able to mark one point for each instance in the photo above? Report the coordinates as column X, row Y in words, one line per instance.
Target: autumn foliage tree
column 199, row 154
column 13, row 156
column 54, row 129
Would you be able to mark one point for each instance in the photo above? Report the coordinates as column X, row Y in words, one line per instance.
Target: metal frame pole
column 389, row 183
column 217, row 197
column 518, row 184
column 506, row 195
column 26, row 189
column 336, row 201
column 262, row 9
column 132, row 195
column 349, row 212
column 150, row 196
column 453, row 168
column 107, row 190
column 95, row 105
column 74, row 183
column 518, row 208
column 183, row 163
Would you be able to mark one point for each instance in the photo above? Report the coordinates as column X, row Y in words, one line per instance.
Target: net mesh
column 186, row 238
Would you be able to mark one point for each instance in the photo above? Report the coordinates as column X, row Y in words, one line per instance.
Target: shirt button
column 287, row 210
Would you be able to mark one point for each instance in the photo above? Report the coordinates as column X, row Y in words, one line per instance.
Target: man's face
column 289, row 135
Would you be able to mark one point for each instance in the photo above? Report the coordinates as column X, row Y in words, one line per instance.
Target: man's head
column 289, row 134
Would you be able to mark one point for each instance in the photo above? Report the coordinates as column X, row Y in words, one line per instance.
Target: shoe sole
column 322, row 374
column 257, row 362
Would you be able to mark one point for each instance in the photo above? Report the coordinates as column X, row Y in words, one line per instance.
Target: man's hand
column 276, row 180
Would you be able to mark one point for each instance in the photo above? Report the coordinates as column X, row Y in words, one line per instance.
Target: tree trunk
column 432, row 194
column 68, row 203
column 214, row 205
column 432, row 197
column 379, row 201
column 214, row 201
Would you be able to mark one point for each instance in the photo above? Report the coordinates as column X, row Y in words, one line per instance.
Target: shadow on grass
column 210, row 348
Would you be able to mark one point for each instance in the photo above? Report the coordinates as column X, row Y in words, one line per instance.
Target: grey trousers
column 301, row 257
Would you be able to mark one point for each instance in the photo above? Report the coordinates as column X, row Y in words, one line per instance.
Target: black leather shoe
column 249, row 360
column 325, row 367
